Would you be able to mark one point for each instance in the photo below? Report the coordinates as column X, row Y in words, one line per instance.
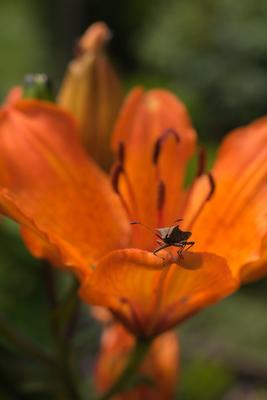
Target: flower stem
column 62, row 317
column 126, row 378
column 23, row 344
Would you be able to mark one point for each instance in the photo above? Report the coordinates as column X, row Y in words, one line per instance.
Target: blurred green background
column 213, row 54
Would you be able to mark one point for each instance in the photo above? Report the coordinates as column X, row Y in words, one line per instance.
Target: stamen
column 160, row 202
column 121, row 161
column 121, row 153
column 201, row 166
column 161, row 189
column 212, row 186
column 116, row 172
column 206, row 199
column 161, row 195
column 202, row 161
column 156, row 152
column 161, row 140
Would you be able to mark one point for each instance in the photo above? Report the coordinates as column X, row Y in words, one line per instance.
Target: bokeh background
column 212, row 54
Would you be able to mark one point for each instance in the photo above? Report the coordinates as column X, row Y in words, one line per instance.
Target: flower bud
column 91, row 90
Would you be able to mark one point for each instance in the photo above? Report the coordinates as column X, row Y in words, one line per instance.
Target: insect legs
column 163, row 246
column 182, row 246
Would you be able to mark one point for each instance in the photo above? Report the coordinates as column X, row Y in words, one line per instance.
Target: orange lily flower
column 55, row 192
column 154, row 140
column 91, row 90
column 160, row 364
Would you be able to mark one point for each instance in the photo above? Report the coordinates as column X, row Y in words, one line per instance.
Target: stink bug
column 171, row 236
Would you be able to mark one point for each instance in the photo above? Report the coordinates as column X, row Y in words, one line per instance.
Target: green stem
column 66, row 372
column 21, row 343
column 61, row 316
column 123, row 382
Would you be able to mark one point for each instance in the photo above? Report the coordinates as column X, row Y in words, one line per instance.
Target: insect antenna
column 145, row 226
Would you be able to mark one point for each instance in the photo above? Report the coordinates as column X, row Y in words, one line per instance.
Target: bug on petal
column 171, row 236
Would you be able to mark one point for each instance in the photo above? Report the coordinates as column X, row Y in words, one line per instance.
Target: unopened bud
column 91, row 90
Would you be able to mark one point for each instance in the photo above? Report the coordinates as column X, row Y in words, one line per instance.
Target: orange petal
column 233, row 223
column 51, row 187
column 153, row 168
column 161, row 364
column 14, row 95
column 256, row 269
column 92, row 92
column 150, row 296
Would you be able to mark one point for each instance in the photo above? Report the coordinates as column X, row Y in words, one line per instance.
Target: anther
column 201, row 162
column 118, row 171
column 115, row 176
column 121, row 153
column 161, row 195
column 212, row 186
column 156, row 151
column 161, row 140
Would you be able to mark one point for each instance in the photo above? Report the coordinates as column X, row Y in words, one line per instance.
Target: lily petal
column 257, row 269
column 14, row 95
column 50, row 186
column 156, row 134
column 150, row 296
column 235, row 219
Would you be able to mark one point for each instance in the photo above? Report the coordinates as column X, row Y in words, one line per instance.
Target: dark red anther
column 121, row 153
column 156, row 151
column 212, row 186
column 161, row 140
column 115, row 176
column 202, row 161
column 209, row 195
column 161, row 195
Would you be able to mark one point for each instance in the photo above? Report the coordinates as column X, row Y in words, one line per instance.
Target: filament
column 212, row 187
column 117, row 173
column 161, row 187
